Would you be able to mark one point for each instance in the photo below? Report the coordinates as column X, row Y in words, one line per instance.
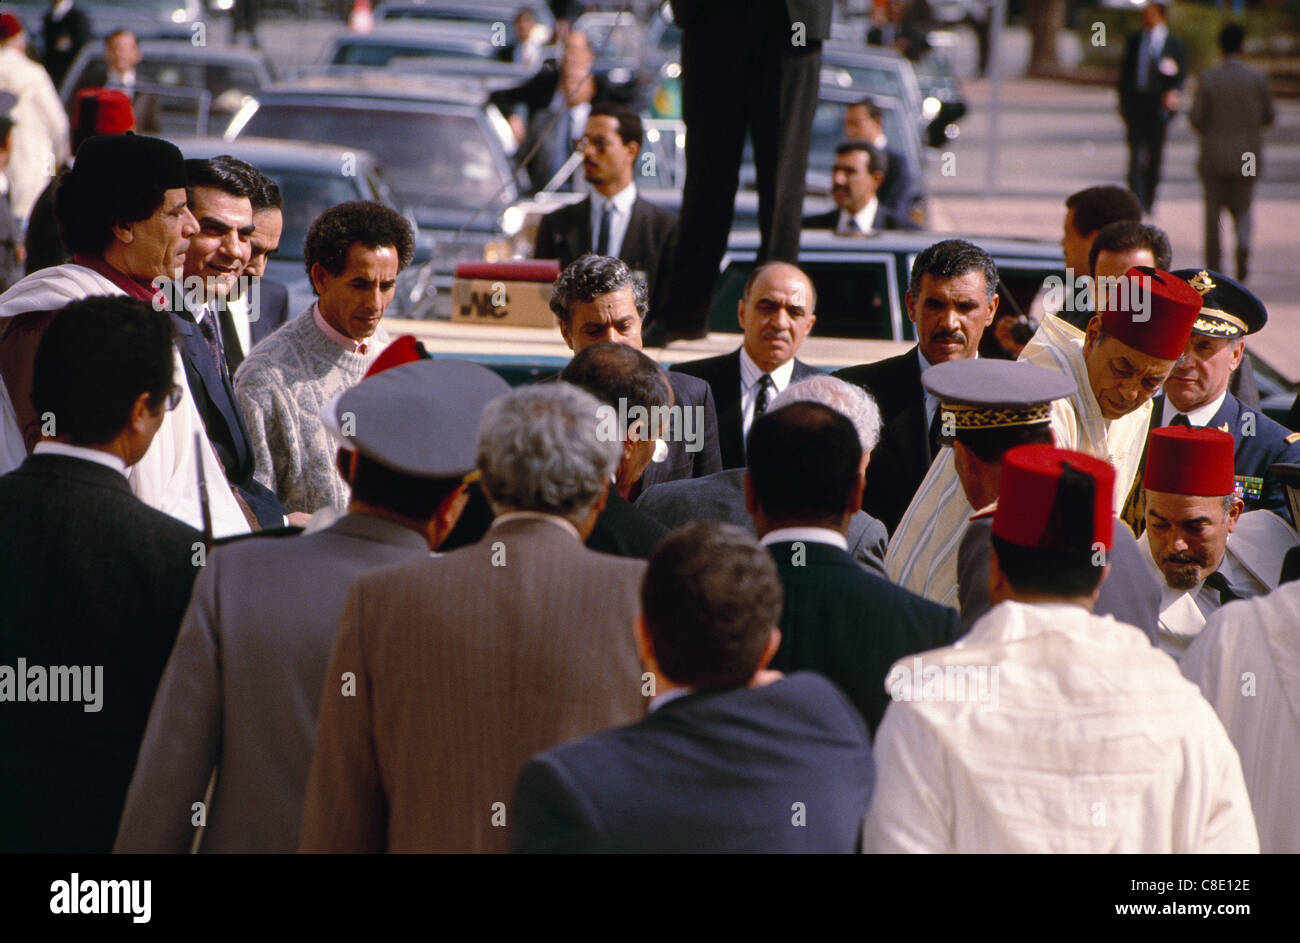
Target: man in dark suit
column 94, row 582
column 721, row 497
column 857, row 175
column 1198, row 394
column 64, row 30
column 263, row 307
column 1150, row 82
column 121, row 56
column 732, row 758
column 596, row 299
column 1233, row 106
column 951, row 298
column 747, row 66
column 635, row 394
column 805, row 481
column 776, row 314
column 219, row 195
column 548, row 113
column 613, row 220
column 265, row 611
column 898, row 191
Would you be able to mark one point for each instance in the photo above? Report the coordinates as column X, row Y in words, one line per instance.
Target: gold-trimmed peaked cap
column 1228, row 308
column 994, row 394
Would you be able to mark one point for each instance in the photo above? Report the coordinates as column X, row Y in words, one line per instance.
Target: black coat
column 903, row 456
column 623, row 530
column 63, row 40
column 647, row 245
column 886, row 218
column 781, row 768
column 851, row 625
column 89, row 575
column 723, row 375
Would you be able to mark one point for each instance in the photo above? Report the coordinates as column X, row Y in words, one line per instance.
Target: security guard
column 1196, row 394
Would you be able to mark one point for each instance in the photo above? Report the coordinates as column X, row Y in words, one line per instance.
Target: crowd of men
column 279, row 581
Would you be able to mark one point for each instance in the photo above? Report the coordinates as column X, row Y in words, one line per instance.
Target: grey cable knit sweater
column 281, row 387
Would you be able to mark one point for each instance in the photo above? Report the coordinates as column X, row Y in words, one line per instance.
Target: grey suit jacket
column 466, row 665
column 1129, row 592
column 1232, row 107
column 241, row 689
column 721, row 497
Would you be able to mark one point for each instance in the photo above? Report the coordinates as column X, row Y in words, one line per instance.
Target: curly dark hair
column 365, row 221
column 590, row 275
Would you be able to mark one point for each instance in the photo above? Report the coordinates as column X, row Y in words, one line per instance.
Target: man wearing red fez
column 1192, row 508
column 1130, row 346
column 122, row 212
column 1048, row 728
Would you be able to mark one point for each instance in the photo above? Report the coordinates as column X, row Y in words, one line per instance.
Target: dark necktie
column 935, row 442
column 606, row 219
column 1217, row 580
column 208, row 327
column 1180, row 419
column 765, row 387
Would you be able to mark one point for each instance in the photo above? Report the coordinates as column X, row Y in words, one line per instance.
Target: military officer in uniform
column 1197, row 394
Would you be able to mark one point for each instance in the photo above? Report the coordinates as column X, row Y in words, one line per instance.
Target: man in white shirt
column 1047, row 728
column 856, row 177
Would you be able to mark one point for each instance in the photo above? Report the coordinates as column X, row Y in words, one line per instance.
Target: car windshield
column 828, row 132
column 376, row 54
column 306, row 196
column 428, row 158
column 874, row 80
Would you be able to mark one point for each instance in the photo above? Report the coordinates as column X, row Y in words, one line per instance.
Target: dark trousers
column 740, row 73
column 1231, row 192
column 1146, row 144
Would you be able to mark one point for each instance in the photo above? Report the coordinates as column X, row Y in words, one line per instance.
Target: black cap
column 128, row 160
column 1228, row 308
column 420, row 418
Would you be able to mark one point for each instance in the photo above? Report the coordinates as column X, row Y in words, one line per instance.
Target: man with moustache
column 776, row 314
column 856, row 178
column 1192, row 512
column 123, row 213
column 951, row 298
column 1198, row 393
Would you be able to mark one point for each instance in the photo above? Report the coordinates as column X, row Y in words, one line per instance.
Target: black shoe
column 1243, row 265
column 658, row 334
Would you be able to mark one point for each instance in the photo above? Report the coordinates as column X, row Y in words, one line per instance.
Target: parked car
column 487, row 13
column 194, row 85
column 443, row 151
column 312, row 178
column 148, row 19
column 389, row 41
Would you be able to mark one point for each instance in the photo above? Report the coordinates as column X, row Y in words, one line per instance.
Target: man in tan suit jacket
column 447, row 674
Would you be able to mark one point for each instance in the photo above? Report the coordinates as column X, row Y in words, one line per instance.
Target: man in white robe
column 1129, row 349
column 131, row 257
column 1047, row 728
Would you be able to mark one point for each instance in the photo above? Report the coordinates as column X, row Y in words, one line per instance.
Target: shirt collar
column 536, row 516
column 1197, row 417
column 865, row 217
column 751, row 374
column 622, row 200
column 77, row 451
column 812, row 535
column 339, row 340
column 659, row 700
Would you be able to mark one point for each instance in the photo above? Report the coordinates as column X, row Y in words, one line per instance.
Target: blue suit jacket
column 781, row 768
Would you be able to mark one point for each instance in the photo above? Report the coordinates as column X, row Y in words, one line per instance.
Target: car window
column 374, row 54
column 828, row 132
column 429, row 158
column 1022, row 283
column 306, row 196
column 852, row 299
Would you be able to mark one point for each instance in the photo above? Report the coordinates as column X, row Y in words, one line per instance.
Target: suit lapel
column 216, row 389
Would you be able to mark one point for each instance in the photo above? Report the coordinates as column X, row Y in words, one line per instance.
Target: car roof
column 275, row 153
column 372, row 85
column 416, row 34
column 745, row 243
column 183, row 49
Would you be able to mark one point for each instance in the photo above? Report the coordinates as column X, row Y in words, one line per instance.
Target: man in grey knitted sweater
column 353, row 254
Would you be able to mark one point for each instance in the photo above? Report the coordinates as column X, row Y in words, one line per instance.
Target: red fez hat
column 1185, row 460
column 1054, row 499
column 405, row 349
column 10, row 26
column 102, row 111
column 1151, row 311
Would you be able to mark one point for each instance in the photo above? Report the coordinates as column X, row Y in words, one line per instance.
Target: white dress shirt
column 98, row 456
column 1197, row 417
column 810, row 535
column 618, row 223
column 861, row 222
column 750, row 375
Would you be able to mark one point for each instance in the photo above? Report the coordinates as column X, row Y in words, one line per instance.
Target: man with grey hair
column 598, row 299
column 805, row 480
column 721, row 497
column 487, row 655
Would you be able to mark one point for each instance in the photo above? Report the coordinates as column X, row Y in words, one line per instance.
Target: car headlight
column 930, row 107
